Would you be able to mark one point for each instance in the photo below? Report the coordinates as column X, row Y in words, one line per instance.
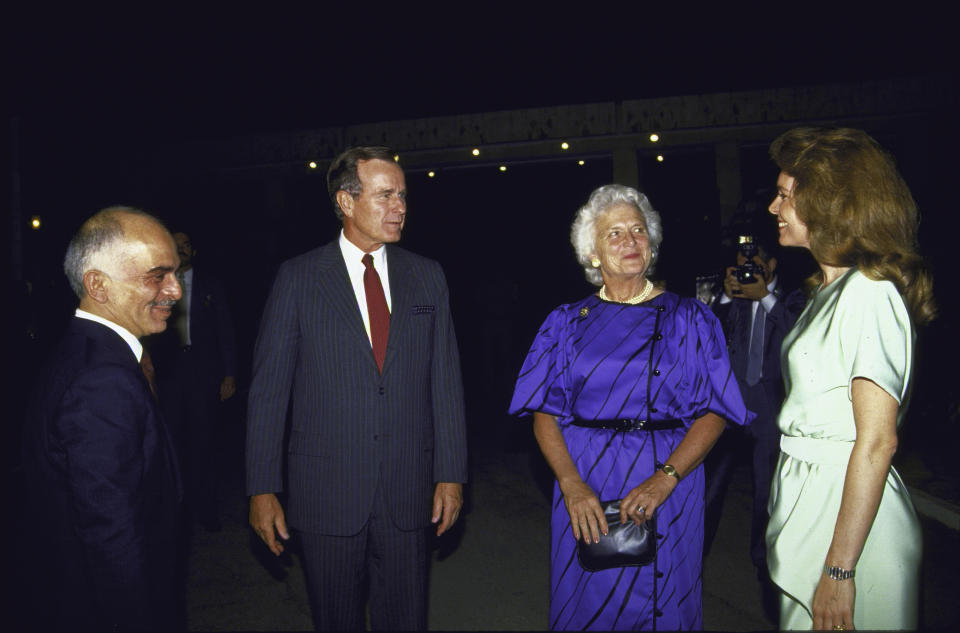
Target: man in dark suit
column 357, row 337
column 196, row 363
column 756, row 315
column 99, row 466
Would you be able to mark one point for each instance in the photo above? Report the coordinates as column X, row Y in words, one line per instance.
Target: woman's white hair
column 583, row 232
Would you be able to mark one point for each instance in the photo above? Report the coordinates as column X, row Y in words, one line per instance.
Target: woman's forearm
column 700, row 438
column 875, row 415
column 554, row 449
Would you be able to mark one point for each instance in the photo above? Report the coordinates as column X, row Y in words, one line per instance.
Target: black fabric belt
column 630, row 425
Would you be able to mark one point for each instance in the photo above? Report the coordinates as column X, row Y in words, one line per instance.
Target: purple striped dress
column 592, row 360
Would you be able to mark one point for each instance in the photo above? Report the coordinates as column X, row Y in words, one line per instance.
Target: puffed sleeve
column 715, row 389
column 876, row 336
column 541, row 383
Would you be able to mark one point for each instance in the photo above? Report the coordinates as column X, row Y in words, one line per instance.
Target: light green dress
column 855, row 327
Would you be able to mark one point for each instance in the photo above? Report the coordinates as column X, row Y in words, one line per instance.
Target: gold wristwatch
column 670, row 470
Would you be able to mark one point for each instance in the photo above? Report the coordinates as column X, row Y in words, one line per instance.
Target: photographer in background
column 756, row 314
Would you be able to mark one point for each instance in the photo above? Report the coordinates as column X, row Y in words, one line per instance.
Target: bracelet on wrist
column 839, row 573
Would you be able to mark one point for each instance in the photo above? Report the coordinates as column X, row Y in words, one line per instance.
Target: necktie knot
column 367, row 261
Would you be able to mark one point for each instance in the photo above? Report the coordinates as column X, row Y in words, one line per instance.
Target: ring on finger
column 641, row 510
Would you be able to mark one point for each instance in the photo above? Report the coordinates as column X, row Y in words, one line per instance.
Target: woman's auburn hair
column 857, row 208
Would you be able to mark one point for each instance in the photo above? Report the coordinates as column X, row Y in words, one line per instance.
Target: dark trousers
column 759, row 447
column 391, row 562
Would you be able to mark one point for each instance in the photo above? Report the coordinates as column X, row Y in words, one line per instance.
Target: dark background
column 94, row 90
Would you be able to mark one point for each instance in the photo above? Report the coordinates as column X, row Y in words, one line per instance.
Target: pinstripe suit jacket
column 351, row 426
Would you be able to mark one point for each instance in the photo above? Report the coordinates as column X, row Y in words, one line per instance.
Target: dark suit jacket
column 736, row 316
column 212, row 335
column 352, row 427
column 102, row 477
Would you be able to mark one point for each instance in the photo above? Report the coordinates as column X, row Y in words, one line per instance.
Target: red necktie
column 146, row 366
column 377, row 310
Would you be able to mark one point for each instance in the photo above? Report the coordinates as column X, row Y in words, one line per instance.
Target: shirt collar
column 135, row 346
column 353, row 255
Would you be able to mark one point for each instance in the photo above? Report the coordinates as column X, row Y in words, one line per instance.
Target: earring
column 595, row 262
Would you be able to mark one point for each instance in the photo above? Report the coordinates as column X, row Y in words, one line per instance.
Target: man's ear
column 345, row 200
column 95, row 283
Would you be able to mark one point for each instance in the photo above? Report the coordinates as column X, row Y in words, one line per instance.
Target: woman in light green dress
column 844, row 542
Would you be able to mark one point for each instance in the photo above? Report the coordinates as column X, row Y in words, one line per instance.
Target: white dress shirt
column 766, row 304
column 353, row 257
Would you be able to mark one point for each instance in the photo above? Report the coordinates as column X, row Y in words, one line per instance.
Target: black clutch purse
column 625, row 545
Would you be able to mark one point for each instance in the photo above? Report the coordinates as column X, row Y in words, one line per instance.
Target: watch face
column 670, row 470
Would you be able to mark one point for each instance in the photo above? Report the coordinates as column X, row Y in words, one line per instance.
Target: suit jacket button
column 656, row 372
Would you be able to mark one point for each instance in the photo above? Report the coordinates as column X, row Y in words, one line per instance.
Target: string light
column 431, row 174
column 659, row 158
column 475, row 152
column 503, row 168
column 654, row 137
column 312, row 164
column 564, row 145
column 35, row 222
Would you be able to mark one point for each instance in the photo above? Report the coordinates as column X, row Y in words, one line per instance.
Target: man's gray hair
column 583, row 232
column 94, row 241
column 342, row 174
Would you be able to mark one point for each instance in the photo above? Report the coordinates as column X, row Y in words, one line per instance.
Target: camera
column 749, row 272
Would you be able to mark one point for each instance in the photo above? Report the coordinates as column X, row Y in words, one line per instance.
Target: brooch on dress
column 584, row 311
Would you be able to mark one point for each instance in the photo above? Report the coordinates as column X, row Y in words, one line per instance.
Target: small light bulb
column 35, row 222
column 659, row 158
column 503, row 168
column 396, row 158
column 654, row 138
column 475, row 152
column 581, row 163
column 564, row 145
column 313, row 164
column 431, row 174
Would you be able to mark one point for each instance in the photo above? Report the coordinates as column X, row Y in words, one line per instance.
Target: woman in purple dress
column 629, row 389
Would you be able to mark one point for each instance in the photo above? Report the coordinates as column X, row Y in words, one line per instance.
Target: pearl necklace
column 635, row 299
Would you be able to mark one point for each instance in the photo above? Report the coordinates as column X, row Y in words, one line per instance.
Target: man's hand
column 228, row 387
column 266, row 515
column 447, row 501
column 758, row 289
column 754, row 291
column 731, row 287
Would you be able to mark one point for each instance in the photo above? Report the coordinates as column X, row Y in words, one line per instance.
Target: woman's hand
column 586, row 515
column 649, row 496
column 833, row 604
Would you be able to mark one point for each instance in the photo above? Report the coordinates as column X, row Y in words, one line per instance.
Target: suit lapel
column 401, row 297
column 333, row 283
column 117, row 348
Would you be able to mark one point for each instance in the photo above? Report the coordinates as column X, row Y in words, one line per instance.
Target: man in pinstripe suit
column 377, row 445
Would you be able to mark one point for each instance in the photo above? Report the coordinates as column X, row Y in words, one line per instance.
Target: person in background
column 196, row 364
column 844, row 542
column 756, row 314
